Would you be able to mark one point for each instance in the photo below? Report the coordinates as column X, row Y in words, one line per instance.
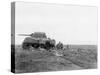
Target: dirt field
column 75, row 58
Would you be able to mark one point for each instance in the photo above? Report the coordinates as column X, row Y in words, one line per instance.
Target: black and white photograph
column 47, row 37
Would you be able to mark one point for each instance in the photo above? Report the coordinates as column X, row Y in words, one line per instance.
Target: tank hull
column 38, row 43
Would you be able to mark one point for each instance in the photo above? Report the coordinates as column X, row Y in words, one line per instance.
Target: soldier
column 59, row 45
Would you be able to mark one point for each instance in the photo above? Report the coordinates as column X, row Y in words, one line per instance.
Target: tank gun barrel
column 24, row 34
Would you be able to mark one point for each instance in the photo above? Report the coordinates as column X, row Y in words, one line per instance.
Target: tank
column 37, row 40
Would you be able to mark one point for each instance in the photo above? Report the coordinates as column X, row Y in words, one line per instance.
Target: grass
column 85, row 57
column 75, row 58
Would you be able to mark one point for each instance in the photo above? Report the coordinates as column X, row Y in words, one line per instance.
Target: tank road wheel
column 42, row 45
column 26, row 46
column 35, row 45
column 47, row 46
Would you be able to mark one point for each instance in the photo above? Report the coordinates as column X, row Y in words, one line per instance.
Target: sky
column 69, row 24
